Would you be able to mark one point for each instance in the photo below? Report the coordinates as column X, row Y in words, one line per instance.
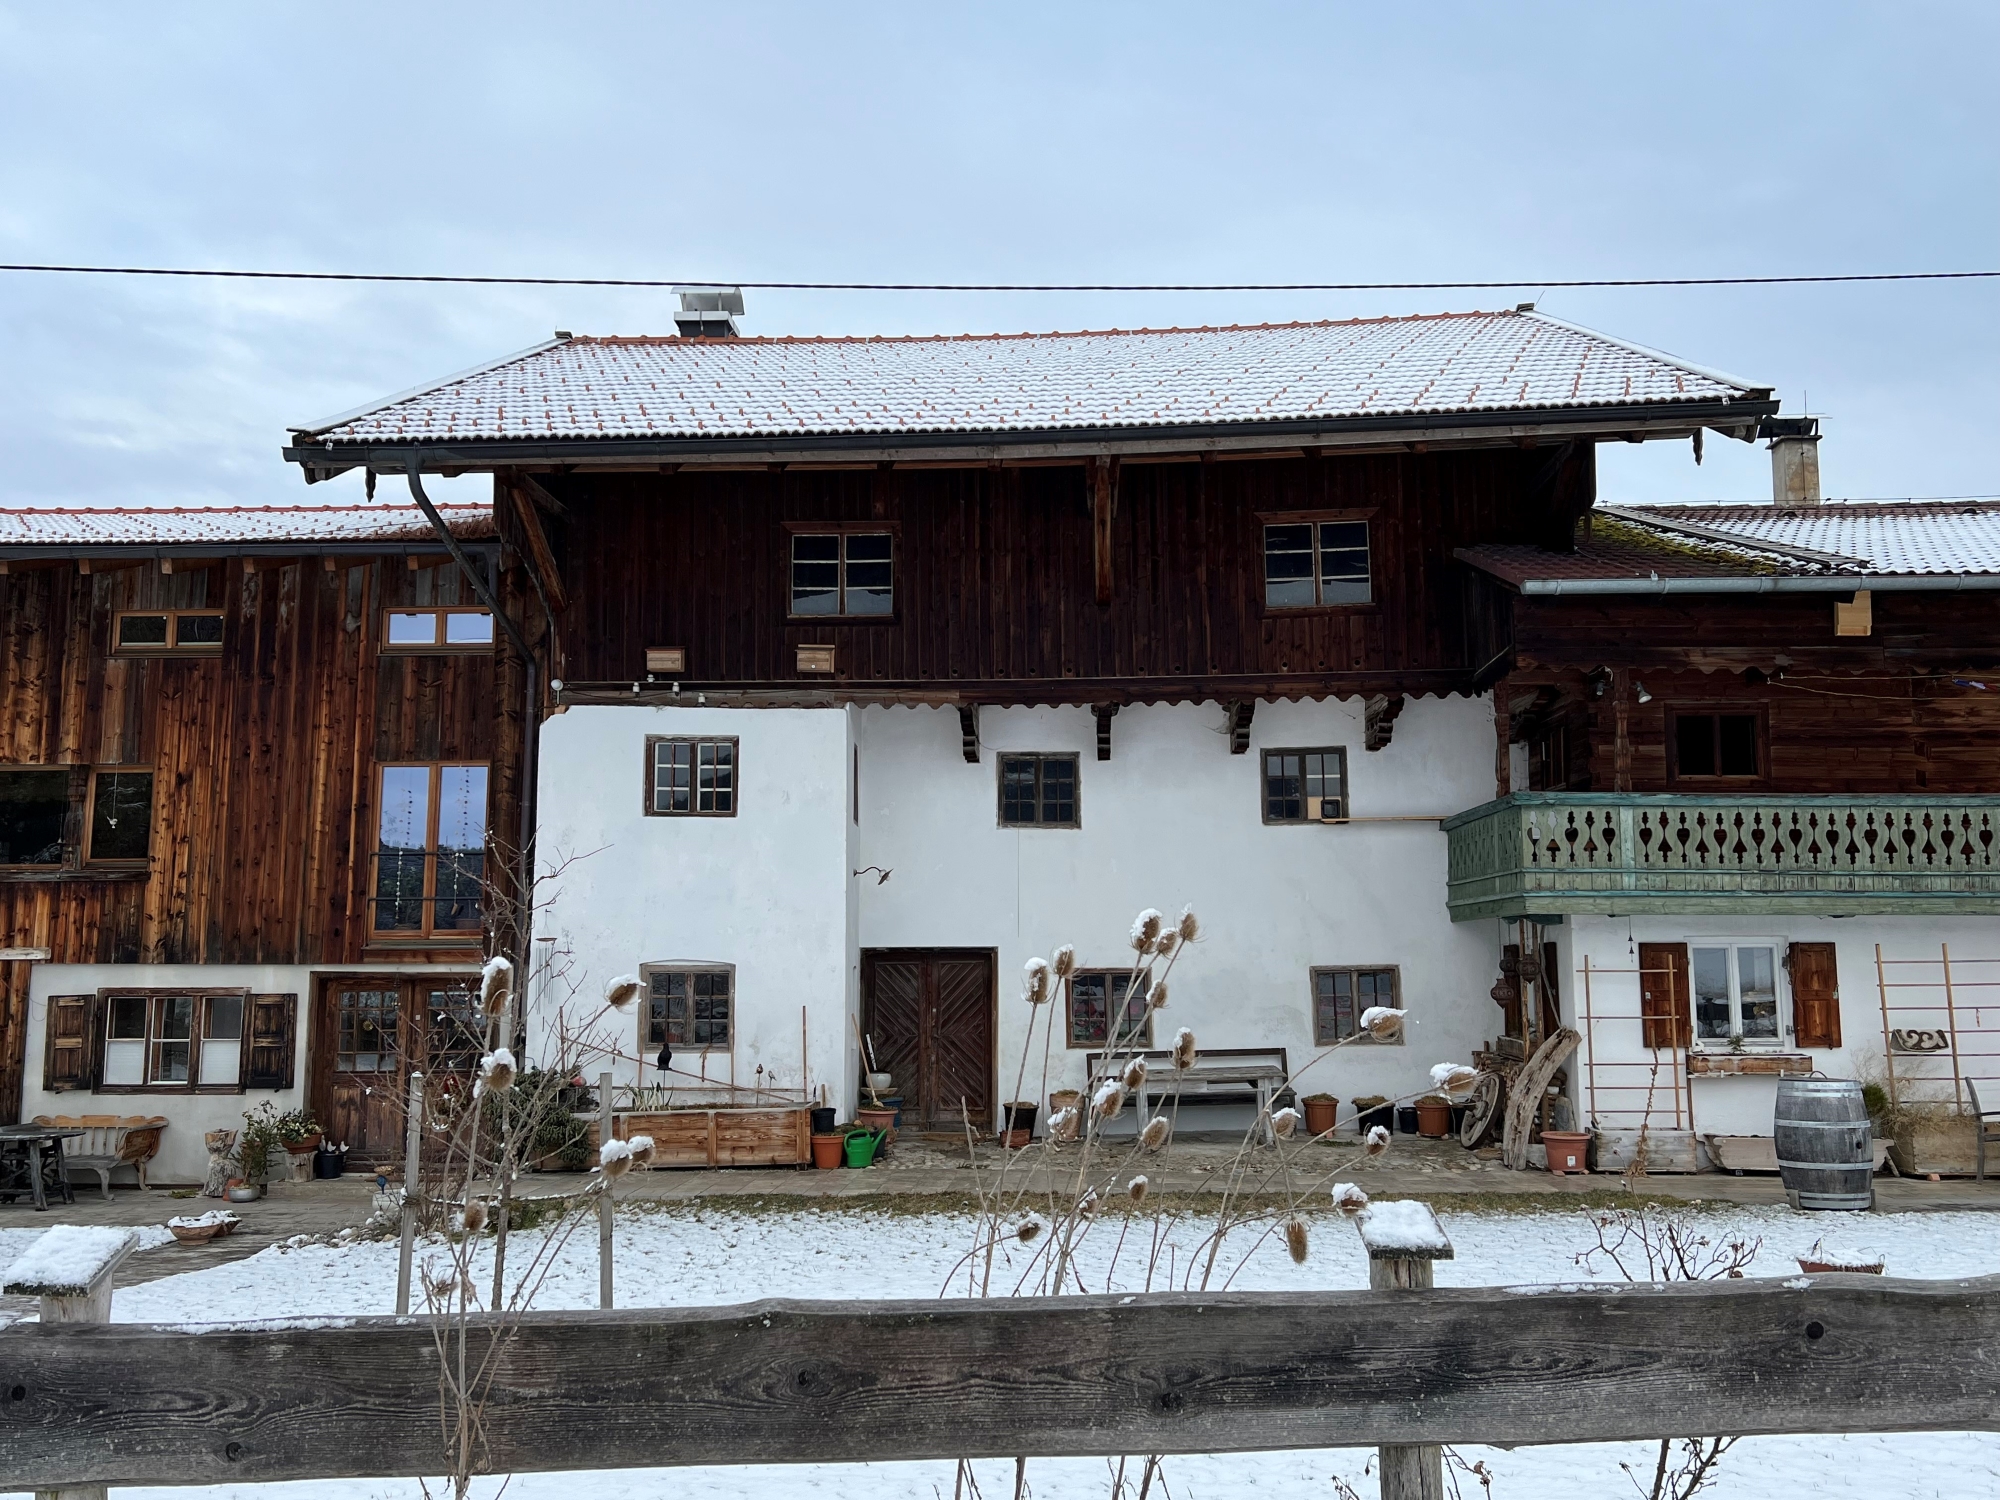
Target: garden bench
column 109, row 1142
column 1227, row 1075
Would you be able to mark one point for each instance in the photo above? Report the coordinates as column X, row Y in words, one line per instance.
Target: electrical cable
column 969, row 286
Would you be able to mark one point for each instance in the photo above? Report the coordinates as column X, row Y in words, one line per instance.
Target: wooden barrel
column 1826, row 1151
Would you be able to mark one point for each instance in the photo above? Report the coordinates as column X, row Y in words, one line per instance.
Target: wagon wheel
column 1482, row 1111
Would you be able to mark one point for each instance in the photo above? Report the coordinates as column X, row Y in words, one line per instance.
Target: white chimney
column 708, row 312
column 1794, row 459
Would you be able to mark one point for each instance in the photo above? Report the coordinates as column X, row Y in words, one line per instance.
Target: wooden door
column 1665, row 1017
column 359, row 1070
column 929, row 1018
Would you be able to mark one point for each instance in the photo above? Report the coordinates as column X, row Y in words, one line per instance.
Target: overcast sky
column 1148, row 142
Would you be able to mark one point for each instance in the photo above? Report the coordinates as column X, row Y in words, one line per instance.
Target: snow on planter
column 67, row 1259
column 1403, row 1230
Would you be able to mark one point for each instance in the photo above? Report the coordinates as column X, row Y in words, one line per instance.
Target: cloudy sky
column 1080, row 141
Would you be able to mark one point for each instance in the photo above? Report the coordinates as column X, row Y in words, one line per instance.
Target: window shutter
column 1815, row 995
column 69, row 1050
column 273, row 1042
column 1664, row 1017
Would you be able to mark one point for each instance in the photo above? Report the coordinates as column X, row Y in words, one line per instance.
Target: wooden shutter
column 273, row 1041
column 69, row 1051
column 1664, row 1016
column 1815, row 995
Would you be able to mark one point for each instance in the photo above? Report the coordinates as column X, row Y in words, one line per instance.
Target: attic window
column 1717, row 746
column 437, row 630
column 167, row 632
column 1312, row 562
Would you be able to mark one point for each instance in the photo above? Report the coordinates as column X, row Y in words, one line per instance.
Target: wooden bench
column 108, row 1142
column 1229, row 1075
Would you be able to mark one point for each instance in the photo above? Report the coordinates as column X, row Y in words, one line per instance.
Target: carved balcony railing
column 1619, row 853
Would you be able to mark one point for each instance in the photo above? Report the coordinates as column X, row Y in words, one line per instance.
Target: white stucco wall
column 182, row 1156
column 1744, row 1106
column 767, row 890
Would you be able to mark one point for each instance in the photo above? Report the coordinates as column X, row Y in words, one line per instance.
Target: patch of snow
column 1405, row 1227
column 202, row 1221
column 1798, row 1284
column 67, row 1258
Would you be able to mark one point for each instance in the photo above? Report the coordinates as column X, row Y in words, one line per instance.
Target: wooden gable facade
column 264, row 754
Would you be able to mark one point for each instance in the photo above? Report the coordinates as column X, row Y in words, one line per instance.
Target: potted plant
column 828, row 1147
column 1434, row 1116
column 1372, row 1110
column 299, row 1131
column 1321, row 1111
column 1018, row 1127
column 256, row 1143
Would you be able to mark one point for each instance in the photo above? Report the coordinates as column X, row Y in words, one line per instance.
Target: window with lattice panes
column 1099, row 998
column 688, row 777
column 689, row 1009
column 1342, row 996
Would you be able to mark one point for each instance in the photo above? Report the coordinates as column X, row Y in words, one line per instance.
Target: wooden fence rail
column 789, row 1382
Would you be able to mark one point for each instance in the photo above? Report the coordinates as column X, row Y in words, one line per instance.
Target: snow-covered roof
column 1958, row 536
column 236, row 525
column 679, row 388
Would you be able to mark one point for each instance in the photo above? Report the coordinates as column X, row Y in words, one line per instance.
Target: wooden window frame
column 1395, row 973
column 1717, row 711
column 1040, row 758
column 140, row 862
column 1304, row 820
column 1267, row 519
column 1781, row 987
column 647, row 801
column 844, row 530
column 649, row 1045
column 198, row 1030
column 172, row 646
column 439, row 647
column 80, row 808
column 428, row 934
column 1141, row 1042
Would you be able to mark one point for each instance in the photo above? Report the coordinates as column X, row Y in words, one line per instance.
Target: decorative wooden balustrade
column 1548, row 853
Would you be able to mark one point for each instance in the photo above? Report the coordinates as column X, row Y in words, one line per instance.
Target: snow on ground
column 691, row 1255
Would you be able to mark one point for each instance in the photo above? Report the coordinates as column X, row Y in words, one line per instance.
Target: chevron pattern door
column 928, row 1013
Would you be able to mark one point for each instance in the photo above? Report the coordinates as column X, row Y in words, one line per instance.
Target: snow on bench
column 69, row 1261
column 1402, row 1230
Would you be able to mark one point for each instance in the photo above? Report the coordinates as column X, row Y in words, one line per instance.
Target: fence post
column 413, row 1155
column 604, row 1197
column 72, row 1276
column 1402, row 1240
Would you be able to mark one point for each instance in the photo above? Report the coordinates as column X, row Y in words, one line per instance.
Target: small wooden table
column 1256, row 1073
column 31, row 1160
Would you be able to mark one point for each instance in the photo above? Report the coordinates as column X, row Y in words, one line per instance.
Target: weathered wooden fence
column 789, row 1382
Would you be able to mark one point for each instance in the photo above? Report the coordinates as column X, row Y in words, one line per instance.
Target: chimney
column 1794, row 459
column 708, row 312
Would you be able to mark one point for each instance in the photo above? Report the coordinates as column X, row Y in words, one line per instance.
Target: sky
column 1146, row 142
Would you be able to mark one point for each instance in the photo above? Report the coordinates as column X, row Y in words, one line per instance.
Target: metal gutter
column 1842, row 583
column 1661, row 419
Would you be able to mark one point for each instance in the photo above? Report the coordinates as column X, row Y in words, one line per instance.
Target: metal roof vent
column 708, row 312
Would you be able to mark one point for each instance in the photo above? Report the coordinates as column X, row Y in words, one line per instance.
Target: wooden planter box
column 1942, row 1144
column 759, row 1136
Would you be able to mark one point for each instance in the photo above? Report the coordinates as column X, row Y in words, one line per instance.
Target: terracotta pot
column 1567, row 1150
column 1321, row 1111
column 827, row 1150
column 304, row 1147
column 883, row 1120
column 1434, row 1118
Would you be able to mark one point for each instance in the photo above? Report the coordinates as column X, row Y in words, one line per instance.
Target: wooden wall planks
column 263, row 756
column 995, row 570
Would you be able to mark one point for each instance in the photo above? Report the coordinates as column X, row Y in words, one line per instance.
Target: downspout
column 530, row 725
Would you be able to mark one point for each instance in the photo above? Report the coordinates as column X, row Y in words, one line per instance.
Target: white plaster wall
column 1744, row 1106
column 766, row 890
column 182, row 1156
column 1172, row 819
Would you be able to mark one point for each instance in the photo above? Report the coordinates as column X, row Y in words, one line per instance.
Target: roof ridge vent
column 708, row 312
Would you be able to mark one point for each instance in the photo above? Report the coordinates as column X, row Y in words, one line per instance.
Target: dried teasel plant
column 1382, row 1022
column 1285, row 1123
column 1376, row 1141
column 1159, row 1130
column 642, row 1150
column 496, row 1071
column 1108, row 1100
column 1065, row 961
column 1184, row 1053
column 614, row 1158
column 1064, row 1124
column 1156, row 997
column 622, row 991
column 1134, row 1076
column 1137, row 1189
column 1454, row 1080
column 1035, row 981
column 1029, row 1230
column 1146, row 930
column 1188, row 928
column 1349, row 1198
column 496, row 984
column 1295, row 1240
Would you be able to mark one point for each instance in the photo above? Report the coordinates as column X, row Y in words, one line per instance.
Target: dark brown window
column 121, row 817
column 436, row 631
column 1312, row 563
column 430, row 852
column 690, row 777
column 168, row 1041
column 1305, row 786
column 1342, row 996
column 34, row 811
column 1098, row 996
column 688, row 1010
column 166, row 632
column 1713, row 746
column 843, row 574
column 1038, row 791
column 111, row 808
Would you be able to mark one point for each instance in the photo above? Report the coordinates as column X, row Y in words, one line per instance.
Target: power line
column 975, row 286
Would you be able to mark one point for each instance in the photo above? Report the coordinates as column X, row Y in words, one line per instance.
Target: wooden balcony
column 1627, row 853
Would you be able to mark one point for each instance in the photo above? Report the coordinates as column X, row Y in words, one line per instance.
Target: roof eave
column 1764, row 583
column 1645, row 420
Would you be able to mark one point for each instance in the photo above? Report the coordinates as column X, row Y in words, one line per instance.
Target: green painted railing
column 1619, row 853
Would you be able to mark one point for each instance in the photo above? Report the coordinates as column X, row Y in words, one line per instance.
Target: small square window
column 1313, row 563
column 688, row 1010
column 843, row 574
column 1096, row 996
column 143, row 632
column 198, row 628
column 1305, row 786
column 690, row 777
column 1038, row 791
column 443, row 629
column 167, row 632
column 1717, row 745
column 1342, row 996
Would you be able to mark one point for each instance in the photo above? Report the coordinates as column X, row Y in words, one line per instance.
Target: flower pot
column 1567, row 1150
column 861, row 1146
column 1434, row 1118
column 1406, row 1119
column 1321, row 1111
column 305, row 1145
column 1018, row 1124
column 1372, row 1110
column 822, row 1120
column 827, row 1147
column 883, row 1120
column 877, row 1083
column 329, row 1161
column 243, row 1192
